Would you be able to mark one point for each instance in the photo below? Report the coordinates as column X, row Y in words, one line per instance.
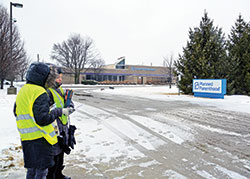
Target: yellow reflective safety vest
column 26, row 124
column 59, row 101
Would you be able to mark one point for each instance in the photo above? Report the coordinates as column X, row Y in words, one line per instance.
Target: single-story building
column 121, row 73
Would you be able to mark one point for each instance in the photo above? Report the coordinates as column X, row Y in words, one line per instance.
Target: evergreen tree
column 239, row 55
column 204, row 57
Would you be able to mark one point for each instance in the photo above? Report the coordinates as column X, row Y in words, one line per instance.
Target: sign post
column 209, row 88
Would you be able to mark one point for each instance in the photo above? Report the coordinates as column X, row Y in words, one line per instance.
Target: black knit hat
column 59, row 70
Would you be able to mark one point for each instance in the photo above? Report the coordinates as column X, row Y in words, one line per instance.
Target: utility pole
column 11, row 60
column 12, row 89
column 37, row 57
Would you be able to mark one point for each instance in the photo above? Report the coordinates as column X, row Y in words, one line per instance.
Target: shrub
column 89, row 82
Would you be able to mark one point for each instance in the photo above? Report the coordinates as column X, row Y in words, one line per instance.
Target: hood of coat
column 51, row 80
column 41, row 74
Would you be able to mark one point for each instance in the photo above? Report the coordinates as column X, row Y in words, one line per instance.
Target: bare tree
column 4, row 44
column 168, row 62
column 9, row 67
column 19, row 58
column 23, row 69
column 97, row 65
column 75, row 53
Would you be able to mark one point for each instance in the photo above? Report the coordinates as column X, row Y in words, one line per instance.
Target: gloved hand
column 63, row 143
column 72, row 140
column 68, row 111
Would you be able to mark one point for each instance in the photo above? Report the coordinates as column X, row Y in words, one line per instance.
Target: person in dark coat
column 62, row 146
column 34, row 120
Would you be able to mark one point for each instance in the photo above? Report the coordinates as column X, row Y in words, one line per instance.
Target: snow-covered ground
column 234, row 102
column 88, row 152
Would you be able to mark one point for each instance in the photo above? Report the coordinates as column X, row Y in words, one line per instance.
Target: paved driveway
column 176, row 139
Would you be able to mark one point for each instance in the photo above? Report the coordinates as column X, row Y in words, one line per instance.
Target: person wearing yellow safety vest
column 57, row 96
column 34, row 120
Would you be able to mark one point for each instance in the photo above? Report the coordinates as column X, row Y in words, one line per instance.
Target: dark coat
column 39, row 153
column 62, row 128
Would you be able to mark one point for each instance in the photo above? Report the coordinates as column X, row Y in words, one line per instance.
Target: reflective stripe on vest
column 26, row 124
column 58, row 99
column 31, row 129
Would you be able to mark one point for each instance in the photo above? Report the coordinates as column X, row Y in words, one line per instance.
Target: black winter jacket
column 39, row 153
column 57, row 148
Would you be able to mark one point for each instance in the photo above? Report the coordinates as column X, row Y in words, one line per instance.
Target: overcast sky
column 141, row 30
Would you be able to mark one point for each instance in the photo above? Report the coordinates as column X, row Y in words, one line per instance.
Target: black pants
column 55, row 172
column 36, row 173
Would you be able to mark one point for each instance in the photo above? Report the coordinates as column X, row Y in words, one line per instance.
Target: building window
column 121, row 78
column 105, row 77
column 99, row 78
column 120, row 65
column 88, row 77
column 109, row 77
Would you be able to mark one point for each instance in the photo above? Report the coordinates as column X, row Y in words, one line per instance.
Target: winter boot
column 66, row 177
column 60, row 175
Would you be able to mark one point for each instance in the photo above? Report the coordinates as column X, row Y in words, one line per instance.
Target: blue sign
column 210, row 88
column 142, row 69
